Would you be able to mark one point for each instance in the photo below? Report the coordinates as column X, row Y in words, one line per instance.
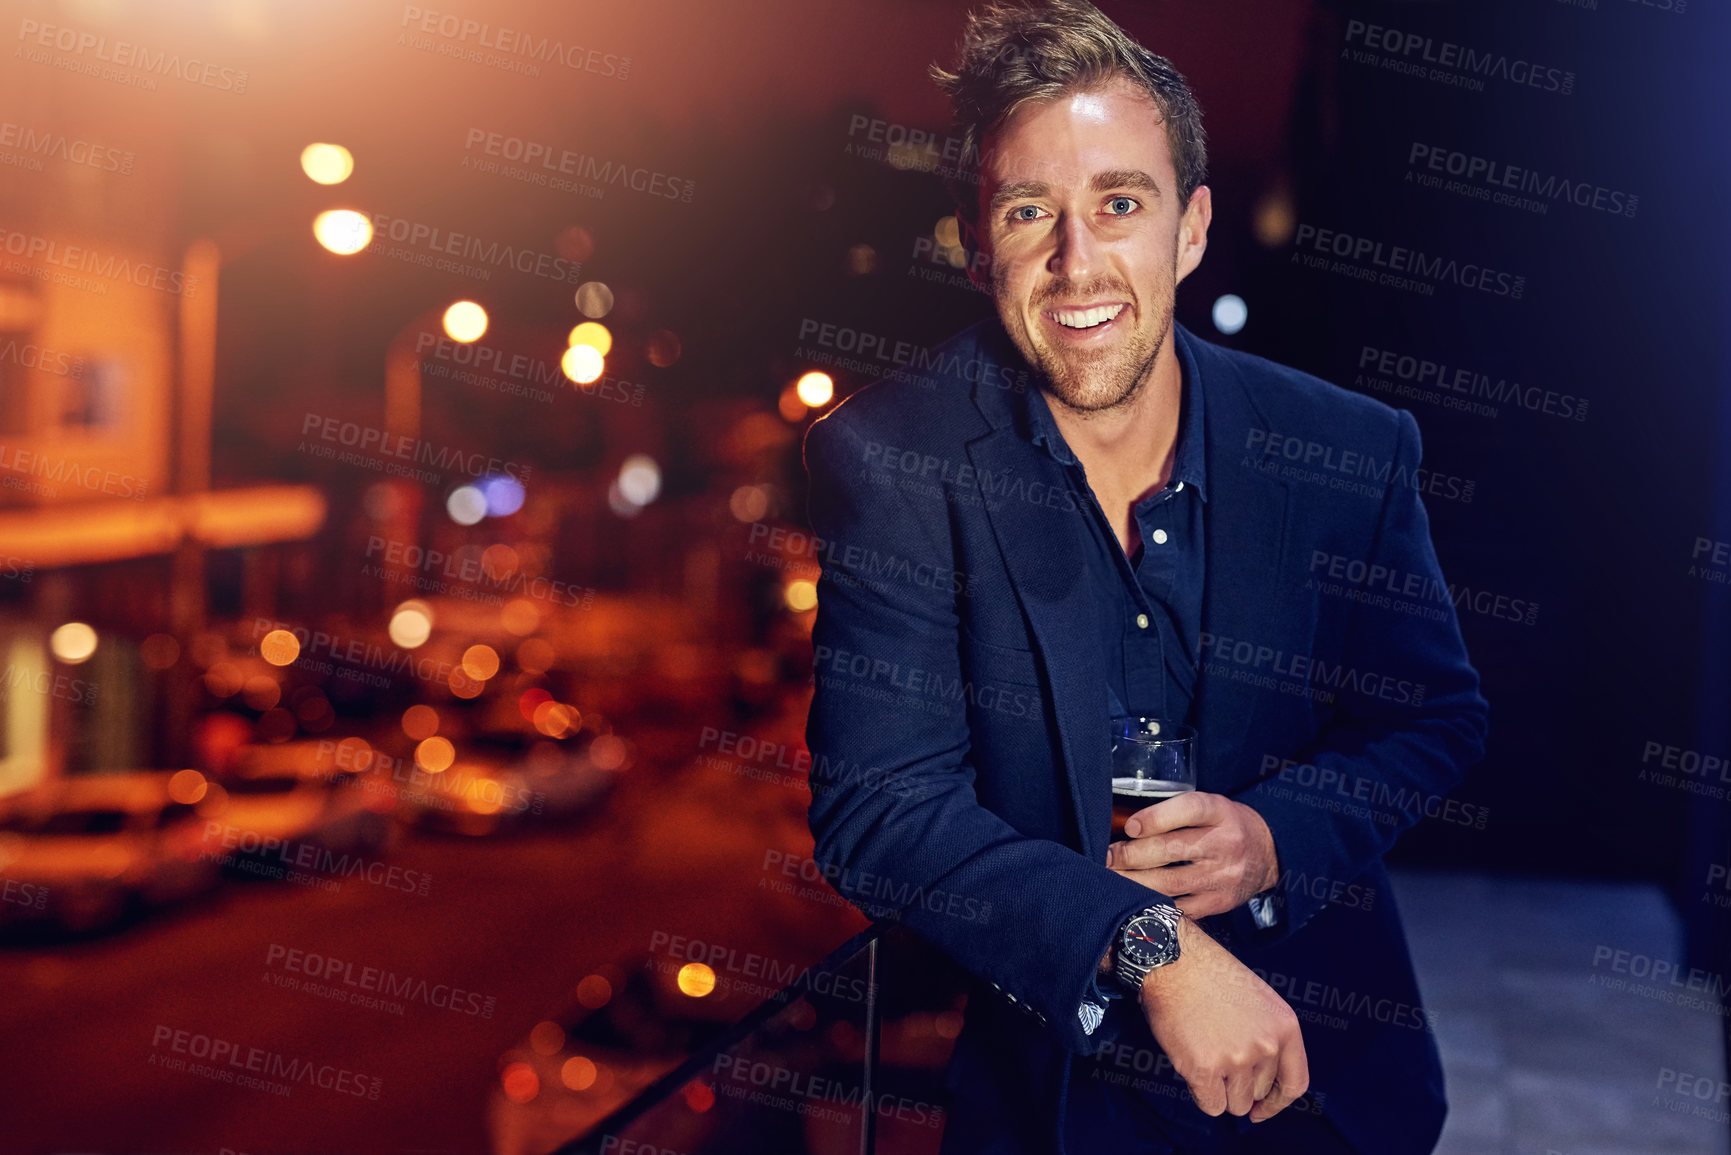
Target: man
column 1078, row 512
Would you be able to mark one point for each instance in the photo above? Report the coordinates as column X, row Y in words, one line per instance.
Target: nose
column 1077, row 255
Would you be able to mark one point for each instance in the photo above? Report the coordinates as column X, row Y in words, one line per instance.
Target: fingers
column 1292, row 1082
column 1264, row 1080
column 1241, row 1092
column 1149, row 852
column 1209, row 1091
column 1193, row 808
column 1202, row 904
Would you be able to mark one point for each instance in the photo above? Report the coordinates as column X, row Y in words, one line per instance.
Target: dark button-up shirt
column 1148, row 624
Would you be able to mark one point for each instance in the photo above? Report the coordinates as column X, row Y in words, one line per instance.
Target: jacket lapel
column 1042, row 551
column 1245, row 542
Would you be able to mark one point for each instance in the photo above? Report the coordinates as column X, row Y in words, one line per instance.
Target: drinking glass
column 1152, row 760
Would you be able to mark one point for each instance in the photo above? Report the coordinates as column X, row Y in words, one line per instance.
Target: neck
column 1128, row 450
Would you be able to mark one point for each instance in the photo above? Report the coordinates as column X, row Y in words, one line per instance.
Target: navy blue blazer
column 961, row 777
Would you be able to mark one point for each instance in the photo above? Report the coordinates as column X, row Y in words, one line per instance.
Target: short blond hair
column 1038, row 50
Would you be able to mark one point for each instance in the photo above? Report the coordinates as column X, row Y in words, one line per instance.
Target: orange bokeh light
column 420, row 722
column 480, row 662
column 435, row 755
column 520, row 1082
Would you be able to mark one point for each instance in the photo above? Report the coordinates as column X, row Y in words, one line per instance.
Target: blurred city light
column 582, row 363
column 187, row 786
column 639, row 479
column 503, row 495
column 327, row 163
column 557, row 720
column 789, row 404
column 435, row 755
column 947, row 232
column 261, row 692
column 815, row 389
column 664, row 348
column 696, row 980
column 223, row 680
column 465, row 321
column 466, row 505
column 577, row 1073
column 593, row 334
column 73, row 643
column 574, row 243
column 1275, row 218
column 159, row 651
column 343, row 231
column 420, row 722
column 547, row 1038
column 355, row 754
column 607, row 752
column 530, row 701
column 279, row 648
column 801, row 596
column 499, row 561
column 594, row 992
column 463, row 685
column 749, row 503
column 862, row 260
column 411, row 624
column 214, row 802
column 480, row 661
column 594, row 299
column 520, row 616
column 519, row 1082
column 1230, row 313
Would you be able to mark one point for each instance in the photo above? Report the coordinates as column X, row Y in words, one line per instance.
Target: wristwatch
column 1147, row 940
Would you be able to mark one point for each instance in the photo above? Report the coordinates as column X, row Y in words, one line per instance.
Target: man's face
column 1085, row 239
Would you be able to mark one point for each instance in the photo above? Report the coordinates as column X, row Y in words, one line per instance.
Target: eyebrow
column 1132, row 178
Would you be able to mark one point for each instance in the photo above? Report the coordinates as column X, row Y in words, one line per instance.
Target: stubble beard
column 1101, row 380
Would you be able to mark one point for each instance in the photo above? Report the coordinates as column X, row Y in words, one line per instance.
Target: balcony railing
column 847, row 1059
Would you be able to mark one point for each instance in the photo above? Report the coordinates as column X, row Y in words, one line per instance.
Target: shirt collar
column 1188, row 455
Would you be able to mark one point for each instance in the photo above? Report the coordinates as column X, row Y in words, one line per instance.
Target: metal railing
column 805, row 1071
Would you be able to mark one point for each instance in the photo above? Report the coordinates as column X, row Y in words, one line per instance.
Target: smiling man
column 1135, row 543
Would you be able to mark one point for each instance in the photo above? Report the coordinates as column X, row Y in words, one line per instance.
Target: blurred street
column 518, row 920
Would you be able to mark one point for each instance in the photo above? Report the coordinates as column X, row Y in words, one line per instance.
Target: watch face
column 1148, row 940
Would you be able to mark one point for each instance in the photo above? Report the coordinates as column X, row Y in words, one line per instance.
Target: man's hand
column 1226, row 852
column 1232, row 1039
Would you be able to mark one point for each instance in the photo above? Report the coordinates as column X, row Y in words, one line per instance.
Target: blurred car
column 85, row 851
column 512, row 756
column 281, row 798
column 488, row 791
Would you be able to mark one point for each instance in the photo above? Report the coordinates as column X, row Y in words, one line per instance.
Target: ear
column 1193, row 230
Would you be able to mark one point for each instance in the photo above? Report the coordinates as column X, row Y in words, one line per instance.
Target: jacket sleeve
column 1408, row 721
column 899, row 830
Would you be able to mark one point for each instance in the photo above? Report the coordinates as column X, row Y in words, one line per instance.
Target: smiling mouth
column 1086, row 318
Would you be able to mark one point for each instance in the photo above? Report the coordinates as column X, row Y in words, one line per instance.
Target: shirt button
column 1159, row 537
column 1141, row 621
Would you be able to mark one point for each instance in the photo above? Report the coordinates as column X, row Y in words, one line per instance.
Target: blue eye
column 1121, row 206
column 1016, row 214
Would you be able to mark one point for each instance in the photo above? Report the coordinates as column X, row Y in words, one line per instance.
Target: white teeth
column 1087, row 318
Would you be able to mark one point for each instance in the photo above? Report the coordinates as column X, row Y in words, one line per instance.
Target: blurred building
column 107, row 343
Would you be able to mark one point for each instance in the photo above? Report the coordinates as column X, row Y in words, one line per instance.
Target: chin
column 1098, row 384
column 1092, row 394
